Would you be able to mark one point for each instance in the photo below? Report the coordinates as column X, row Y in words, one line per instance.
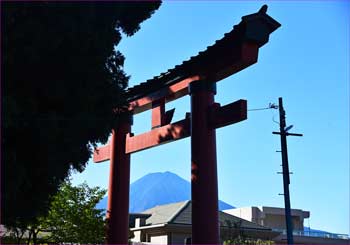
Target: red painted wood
column 244, row 56
column 118, row 189
column 234, row 62
column 219, row 117
column 228, row 114
column 102, row 154
column 170, row 93
column 205, row 228
column 158, row 136
column 158, row 113
column 206, row 116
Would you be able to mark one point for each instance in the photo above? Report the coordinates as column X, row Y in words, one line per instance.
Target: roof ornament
column 263, row 9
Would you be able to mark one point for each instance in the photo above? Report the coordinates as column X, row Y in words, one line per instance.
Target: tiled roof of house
column 180, row 213
column 254, row 28
column 164, row 213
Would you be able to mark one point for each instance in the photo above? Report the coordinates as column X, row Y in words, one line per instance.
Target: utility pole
column 285, row 168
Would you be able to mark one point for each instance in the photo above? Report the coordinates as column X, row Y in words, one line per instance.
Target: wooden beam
column 246, row 56
column 158, row 113
column 102, row 153
column 228, row 114
column 170, row 93
column 215, row 70
column 219, row 117
column 158, row 136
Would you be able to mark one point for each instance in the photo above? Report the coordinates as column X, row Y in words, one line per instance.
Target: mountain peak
column 159, row 188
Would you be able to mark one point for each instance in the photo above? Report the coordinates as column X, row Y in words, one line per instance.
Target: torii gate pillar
column 205, row 222
column 119, row 182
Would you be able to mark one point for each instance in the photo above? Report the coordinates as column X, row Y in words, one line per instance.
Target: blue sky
column 306, row 62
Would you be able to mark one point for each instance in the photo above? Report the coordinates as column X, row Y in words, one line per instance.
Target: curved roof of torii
column 217, row 58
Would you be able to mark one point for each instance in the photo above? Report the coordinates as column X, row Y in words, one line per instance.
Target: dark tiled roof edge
column 196, row 64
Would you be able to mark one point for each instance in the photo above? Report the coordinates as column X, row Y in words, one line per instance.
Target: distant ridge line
column 158, row 188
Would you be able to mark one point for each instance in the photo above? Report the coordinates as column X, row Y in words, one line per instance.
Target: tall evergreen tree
column 61, row 80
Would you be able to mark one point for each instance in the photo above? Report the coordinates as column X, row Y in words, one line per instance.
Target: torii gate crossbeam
column 196, row 77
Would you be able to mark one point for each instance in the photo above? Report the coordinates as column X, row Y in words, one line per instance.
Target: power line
column 259, row 109
column 271, row 106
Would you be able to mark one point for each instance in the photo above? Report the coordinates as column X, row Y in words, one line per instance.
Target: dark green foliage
column 73, row 217
column 234, row 234
column 61, row 78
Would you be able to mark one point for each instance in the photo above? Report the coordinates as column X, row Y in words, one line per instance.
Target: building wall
column 137, row 237
column 179, row 238
column 279, row 222
column 243, row 213
column 275, row 221
column 270, row 217
column 159, row 239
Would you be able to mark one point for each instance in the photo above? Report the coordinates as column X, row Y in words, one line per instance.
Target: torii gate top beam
column 237, row 50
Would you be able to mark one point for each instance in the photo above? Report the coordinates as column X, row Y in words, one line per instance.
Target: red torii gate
column 197, row 77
